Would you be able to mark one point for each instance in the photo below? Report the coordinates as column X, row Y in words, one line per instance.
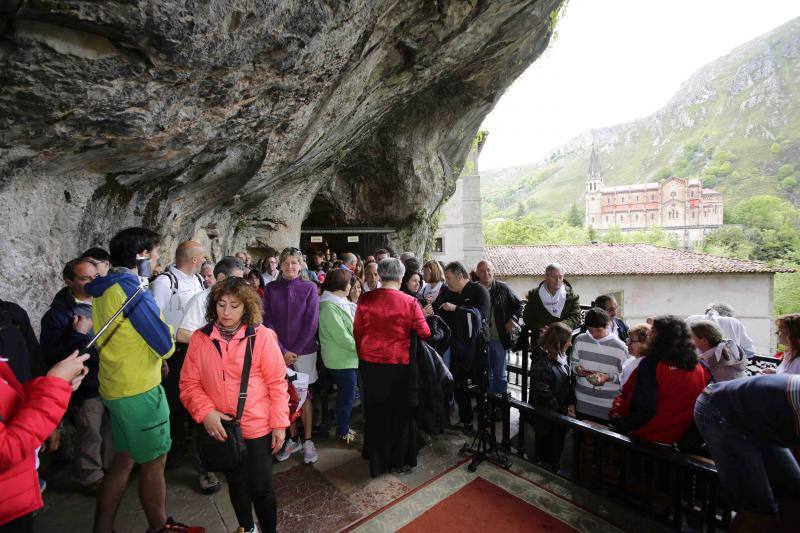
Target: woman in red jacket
column 209, row 385
column 666, row 384
column 382, row 330
column 28, row 415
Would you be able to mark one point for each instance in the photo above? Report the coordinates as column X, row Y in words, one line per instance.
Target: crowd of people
column 239, row 351
column 659, row 381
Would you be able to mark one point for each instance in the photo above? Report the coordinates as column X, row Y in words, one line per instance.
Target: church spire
column 594, row 165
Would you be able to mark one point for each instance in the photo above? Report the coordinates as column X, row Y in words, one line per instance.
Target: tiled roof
column 615, row 260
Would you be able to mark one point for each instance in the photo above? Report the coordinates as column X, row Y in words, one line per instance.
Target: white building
column 459, row 236
column 649, row 280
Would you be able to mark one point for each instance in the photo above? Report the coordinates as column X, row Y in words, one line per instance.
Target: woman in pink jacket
column 209, row 386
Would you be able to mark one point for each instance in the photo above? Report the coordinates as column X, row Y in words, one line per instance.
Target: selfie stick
column 110, row 320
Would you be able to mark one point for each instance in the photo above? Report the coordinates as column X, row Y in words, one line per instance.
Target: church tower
column 594, row 184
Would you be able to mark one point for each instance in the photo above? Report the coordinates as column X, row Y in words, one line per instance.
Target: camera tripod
column 483, row 446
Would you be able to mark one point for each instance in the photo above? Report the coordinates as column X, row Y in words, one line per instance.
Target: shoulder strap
column 173, row 281
column 248, row 356
column 200, row 280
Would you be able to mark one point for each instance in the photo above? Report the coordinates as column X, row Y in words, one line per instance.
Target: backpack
column 469, row 333
column 173, row 281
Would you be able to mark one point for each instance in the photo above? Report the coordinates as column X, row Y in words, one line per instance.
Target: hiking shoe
column 310, row 454
column 349, row 438
column 209, row 484
column 176, row 527
column 289, row 448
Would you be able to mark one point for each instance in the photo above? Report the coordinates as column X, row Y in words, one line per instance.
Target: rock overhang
column 224, row 121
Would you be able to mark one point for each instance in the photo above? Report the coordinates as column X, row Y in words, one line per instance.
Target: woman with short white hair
column 384, row 320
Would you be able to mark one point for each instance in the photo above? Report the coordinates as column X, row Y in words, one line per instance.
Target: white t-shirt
column 195, row 316
column 628, row 367
column 173, row 305
column 268, row 278
column 731, row 328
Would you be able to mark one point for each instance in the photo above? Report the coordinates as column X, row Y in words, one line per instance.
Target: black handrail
column 692, row 481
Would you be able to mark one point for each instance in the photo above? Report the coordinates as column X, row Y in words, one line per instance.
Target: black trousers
column 177, row 412
column 250, row 486
column 461, row 382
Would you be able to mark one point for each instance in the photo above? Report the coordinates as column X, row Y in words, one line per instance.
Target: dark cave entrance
column 325, row 227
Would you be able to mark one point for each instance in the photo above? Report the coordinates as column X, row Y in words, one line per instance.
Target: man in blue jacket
column 66, row 327
column 749, row 424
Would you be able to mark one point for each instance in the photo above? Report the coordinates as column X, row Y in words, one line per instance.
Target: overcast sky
column 616, row 60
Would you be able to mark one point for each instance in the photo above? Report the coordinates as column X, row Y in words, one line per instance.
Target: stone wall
column 684, row 295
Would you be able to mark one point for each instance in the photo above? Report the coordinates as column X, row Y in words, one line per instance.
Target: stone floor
column 328, row 496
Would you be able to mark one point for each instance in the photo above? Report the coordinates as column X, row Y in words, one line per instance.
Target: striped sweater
column 605, row 355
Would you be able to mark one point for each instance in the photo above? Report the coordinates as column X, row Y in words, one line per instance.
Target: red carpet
column 483, row 506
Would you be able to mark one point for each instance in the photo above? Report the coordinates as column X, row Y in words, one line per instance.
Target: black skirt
column 391, row 436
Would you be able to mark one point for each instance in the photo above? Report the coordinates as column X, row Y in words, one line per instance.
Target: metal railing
column 676, row 488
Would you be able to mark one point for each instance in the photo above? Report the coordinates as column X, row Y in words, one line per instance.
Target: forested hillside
column 735, row 123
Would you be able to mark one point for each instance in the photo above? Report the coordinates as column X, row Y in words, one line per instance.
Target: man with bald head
column 506, row 308
column 172, row 290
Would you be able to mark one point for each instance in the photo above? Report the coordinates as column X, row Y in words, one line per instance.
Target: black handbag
column 225, row 456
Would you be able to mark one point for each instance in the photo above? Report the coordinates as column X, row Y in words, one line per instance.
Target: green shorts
column 140, row 424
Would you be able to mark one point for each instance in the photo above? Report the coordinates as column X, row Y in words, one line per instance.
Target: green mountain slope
column 735, row 123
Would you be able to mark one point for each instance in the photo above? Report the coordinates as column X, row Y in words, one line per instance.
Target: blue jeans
column 346, row 384
column 748, row 468
column 498, row 382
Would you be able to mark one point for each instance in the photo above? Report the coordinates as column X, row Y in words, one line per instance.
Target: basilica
column 678, row 205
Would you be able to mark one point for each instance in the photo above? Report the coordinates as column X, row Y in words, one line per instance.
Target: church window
column 637, row 198
column 673, row 194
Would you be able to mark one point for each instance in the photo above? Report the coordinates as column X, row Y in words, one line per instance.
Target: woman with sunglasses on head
column 210, row 386
column 291, row 310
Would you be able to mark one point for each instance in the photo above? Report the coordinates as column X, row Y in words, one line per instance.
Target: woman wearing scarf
column 209, row 388
column 722, row 356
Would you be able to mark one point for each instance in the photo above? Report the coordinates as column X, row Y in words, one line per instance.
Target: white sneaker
column 349, row 438
column 289, row 448
column 310, row 454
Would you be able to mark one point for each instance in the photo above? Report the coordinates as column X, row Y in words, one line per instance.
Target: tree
column 575, row 217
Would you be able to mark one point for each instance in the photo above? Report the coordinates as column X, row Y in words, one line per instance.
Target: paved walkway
column 325, row 497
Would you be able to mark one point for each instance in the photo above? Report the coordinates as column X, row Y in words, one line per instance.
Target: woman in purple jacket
column 291, row 309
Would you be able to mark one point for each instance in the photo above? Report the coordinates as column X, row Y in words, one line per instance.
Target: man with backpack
column 132, row 351
column 465, row 308
column 172, row 291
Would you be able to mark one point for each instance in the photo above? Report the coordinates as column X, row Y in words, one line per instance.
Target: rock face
column 224, row 120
